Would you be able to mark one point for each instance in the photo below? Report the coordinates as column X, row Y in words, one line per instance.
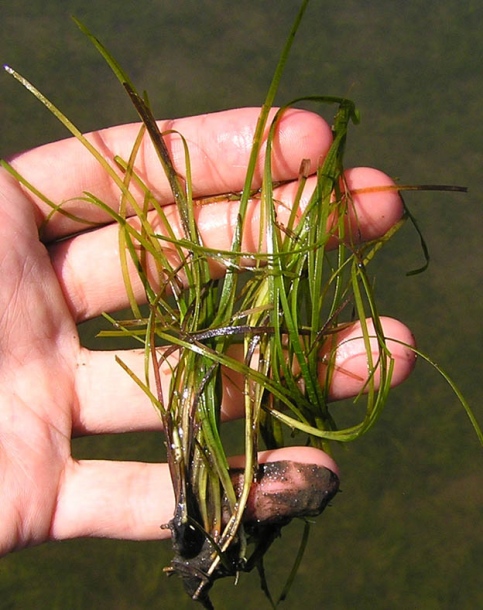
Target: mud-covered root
column 281, row 491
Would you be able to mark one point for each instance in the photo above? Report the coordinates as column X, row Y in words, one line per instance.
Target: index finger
column 219, row 146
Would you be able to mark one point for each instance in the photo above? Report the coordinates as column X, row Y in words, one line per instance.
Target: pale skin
column 53, row 389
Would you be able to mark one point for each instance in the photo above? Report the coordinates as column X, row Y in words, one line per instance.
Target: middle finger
column 88, row 265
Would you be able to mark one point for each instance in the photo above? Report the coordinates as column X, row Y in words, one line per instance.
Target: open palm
column 51, row 388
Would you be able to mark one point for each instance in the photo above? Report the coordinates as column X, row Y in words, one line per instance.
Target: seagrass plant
column 282, row 306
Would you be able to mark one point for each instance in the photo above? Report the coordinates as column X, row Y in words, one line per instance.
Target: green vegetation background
column 407, row 530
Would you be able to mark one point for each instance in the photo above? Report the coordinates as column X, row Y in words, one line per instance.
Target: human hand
column 53, row 389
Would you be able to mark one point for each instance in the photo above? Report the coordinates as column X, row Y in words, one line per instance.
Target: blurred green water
column 407, row 530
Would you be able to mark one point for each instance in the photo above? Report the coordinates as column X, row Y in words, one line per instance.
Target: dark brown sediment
column 285, row 489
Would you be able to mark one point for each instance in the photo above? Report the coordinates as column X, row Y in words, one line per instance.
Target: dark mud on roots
column 281, row 492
